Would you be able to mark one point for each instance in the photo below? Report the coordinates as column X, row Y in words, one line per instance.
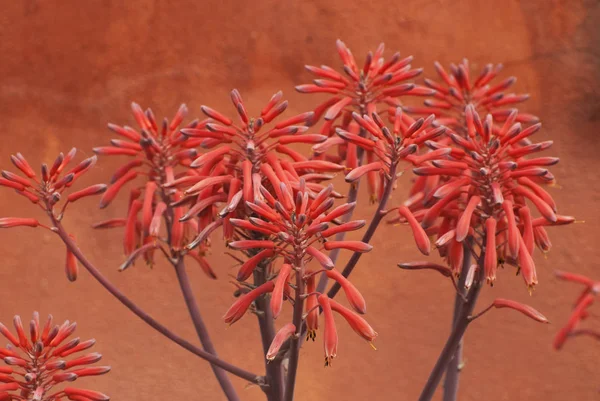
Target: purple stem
column 249, row 376
column 456, row 335
column 453, row 370
column 377, row 217
column 201, row 330
column 295, row 340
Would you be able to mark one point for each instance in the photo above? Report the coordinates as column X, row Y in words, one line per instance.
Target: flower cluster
column 157, row 152
column 40, row 362
column 457, row 90
column 47, row 190
column 580, row 310
column 249, row 155
column 480, row 191
column 296, row 225
column 362, row 90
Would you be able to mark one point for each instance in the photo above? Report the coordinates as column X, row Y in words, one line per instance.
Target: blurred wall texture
column 69, row 67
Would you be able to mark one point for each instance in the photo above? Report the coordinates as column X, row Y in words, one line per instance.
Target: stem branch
column 249, row 376
column 201, row 330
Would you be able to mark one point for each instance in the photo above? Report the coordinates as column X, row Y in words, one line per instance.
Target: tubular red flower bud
column 86, row 394
column 542, row 207
column 513, row 233
column 421, row 238
column 113, row 151
column 112, row 191
column 317, row 165
column 524, row 309
column 282, row 335
column 356, row 322
column 71, row 267
column 323, row 259
column 147, row 206
column 251, row 244
column 491, row 258
column 443, row 270
column 352, row 294
column 345, row 227
column 527, row 265
column 239, row 307
column 330, row 337
column 462, row 228
column 354, row 246
column 312, row 311
column 358, row 172
column 576, row 315
column 9, row 222
column 89, row 191
column 248, row 267
column 528, row 238
column 337, row 212
column 280, row 282
column 129, row 241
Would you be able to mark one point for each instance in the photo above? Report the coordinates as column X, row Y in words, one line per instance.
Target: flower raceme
column 483, row 190
column 359, row 89
column 293, row 224
column 386, row 148
column 41, row 362
column 162, row 155
column 457, row 90
column 48, row 189
column 252, row 153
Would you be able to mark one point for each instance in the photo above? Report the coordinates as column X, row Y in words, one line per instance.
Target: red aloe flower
column 374, row 87
column 40, row 363
column 292, row 224
column 482, row 192
column 162, row 155
column 580, row 310
column 457, row 90
column 48, row 190
column 245, row 156
column 387, row 148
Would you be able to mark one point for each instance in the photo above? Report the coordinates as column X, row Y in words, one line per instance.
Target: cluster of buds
column 386, row 148
column 48, row 191
column 40, row 362
column 378, row 83
column 457, row 89
column 480, row 192
column 296, row 224
column 246, row 155
column 157, row 152
column 580, row 309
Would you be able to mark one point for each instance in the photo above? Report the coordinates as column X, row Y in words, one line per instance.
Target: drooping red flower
column 41, row 362
column 51, row 191
column 457, row 89
column 483, row 191
column 580, row 310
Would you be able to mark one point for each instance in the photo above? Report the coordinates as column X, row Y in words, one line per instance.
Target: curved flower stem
column 377, row 217
column 456, row 335
column 453, row 370
column 64, row 236
column 201, row 330
column 295, row 340
column 267, row 333
column 351, row 197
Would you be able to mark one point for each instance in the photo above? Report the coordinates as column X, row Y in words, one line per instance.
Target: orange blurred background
column 69, row 67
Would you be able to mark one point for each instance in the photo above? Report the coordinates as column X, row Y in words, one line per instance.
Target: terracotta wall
column 69, row 67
